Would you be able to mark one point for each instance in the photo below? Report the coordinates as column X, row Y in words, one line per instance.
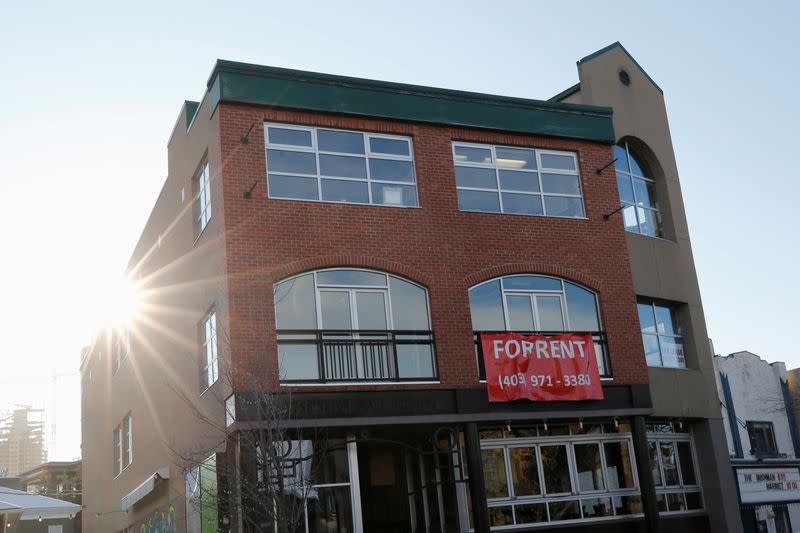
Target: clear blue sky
column 90, row 92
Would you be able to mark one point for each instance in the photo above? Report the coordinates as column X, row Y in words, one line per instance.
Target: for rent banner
column 541, row 368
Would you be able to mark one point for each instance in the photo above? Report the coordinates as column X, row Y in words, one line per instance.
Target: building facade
column 326, row 262
column 21, row 441
column 762, row 441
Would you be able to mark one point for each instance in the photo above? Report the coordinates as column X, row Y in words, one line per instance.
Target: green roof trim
column 295, row 89
column 619, row 45
column 191, row 111
column 566, row 93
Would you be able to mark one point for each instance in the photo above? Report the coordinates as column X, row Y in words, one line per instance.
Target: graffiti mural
column 160, row 522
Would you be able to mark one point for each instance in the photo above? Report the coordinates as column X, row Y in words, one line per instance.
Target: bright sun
column 118, row 302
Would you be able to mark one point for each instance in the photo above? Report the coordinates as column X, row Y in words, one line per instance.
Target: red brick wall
column 436, row 245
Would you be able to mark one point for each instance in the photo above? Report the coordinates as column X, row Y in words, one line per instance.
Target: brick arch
column 355, row 261
column 532, row 267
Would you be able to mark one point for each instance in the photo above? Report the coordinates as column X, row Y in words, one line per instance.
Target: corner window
column 208, row 340
column 342, row 325
column 762, row 438
column 674, row 471
column 536, row 304
column 520, row 181
column 661, row 334
column 637, row 192
column 321, row 164
column 203, row 211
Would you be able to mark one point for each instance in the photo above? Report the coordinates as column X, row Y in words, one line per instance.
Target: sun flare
column 118, row 303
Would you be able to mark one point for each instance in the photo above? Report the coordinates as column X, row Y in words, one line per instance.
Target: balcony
column 600, row 348
column 356, row 356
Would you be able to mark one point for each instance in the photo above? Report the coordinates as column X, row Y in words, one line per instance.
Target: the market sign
column 757, row 485
column 541, row 368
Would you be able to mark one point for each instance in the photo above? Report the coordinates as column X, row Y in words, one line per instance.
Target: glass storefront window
column 589, row 466
column 673, row 466
column 494, row 473
column 556, row 469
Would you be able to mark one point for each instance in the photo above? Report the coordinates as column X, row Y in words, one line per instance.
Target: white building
column 762, row 441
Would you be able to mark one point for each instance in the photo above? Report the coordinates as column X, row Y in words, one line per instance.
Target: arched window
column 347, row 325
column 541, row 304
column 637, row 192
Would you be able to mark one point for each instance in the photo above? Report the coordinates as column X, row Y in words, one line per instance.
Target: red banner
column 540, row 368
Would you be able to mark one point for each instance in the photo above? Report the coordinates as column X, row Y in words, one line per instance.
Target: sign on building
column 760, row 485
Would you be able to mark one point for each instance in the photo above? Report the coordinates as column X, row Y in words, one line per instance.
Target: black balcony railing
column 356, row 355
column 600, row 348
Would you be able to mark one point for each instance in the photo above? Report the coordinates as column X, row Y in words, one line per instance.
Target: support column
column 646, row 485
column 477, row 489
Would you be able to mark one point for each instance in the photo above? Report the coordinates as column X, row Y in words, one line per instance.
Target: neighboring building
column 762, row 441
column 349, row 242
column 57, row 479
column 21, row 441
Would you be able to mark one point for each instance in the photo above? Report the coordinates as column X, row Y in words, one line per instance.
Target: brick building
column 347, row 243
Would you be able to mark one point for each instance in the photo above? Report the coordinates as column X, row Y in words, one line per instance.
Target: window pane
column 675, row 501
column 556, row 469
column 672, row 354
column 550, row 317
column 484, row 178
column 390, row 194
column 494, row 473
column 561, row 183
column 486, row 307
column 625, row 188
column 478, row 201
column 687, row 465
column 647, row 319
column 628, row 505
column 558, row 161
column 661, row 502
column 531, row 283
column 351, row 277
column 298, row 361
column 520, row 314
column 371, row 310
column 582, row 308
column 563, row 206
column 292, row 187
column 531, row 513
column 289, row 136
column 409, row 305
column 329, row 462
column 342, row 165
column 590, row 467
column 294, row 303
column 340, row 141
column 621, row 158
column 472, row 154
column 335, row 309
column 292, row 162
column 693, row 501
column 596, row 507
column 330, row 511
column 389, row 146
column 524, row 471
column 500, row 516
column 522, row 204
column 650, row 221
column 519, row 181
column 665, row 320
column 668, row 461
column 345, row 191
column 630, row 220
column 515, row 158
column 652, row 351
column 645, row 192
column 415, row 361
column 635, row 167
column 652, row 450
column 564, row 510
column 619, row 471
column 387, row 169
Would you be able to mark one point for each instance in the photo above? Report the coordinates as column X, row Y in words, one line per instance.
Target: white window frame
column 210, row 349
column 127, row 423
column 118, row 450
column 203, row 180
column 681, row 487
column 652, row 304
column 537, row 171
column 122, row 346
column 367, row 155
column 637, row 205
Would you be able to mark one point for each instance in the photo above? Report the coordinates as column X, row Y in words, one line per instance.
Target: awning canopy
column 146, row 487
column 33, row 506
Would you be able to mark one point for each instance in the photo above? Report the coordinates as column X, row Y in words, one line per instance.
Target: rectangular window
column 674, row 469
column 117, row 450
column 230, row 410
column 762, row 438
column 122, row 347
column 323, row 164
column 520, row 181
column 203, row 187
column 560, row 473
column 127, row 427
column 208, row 341
column 661, row 334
